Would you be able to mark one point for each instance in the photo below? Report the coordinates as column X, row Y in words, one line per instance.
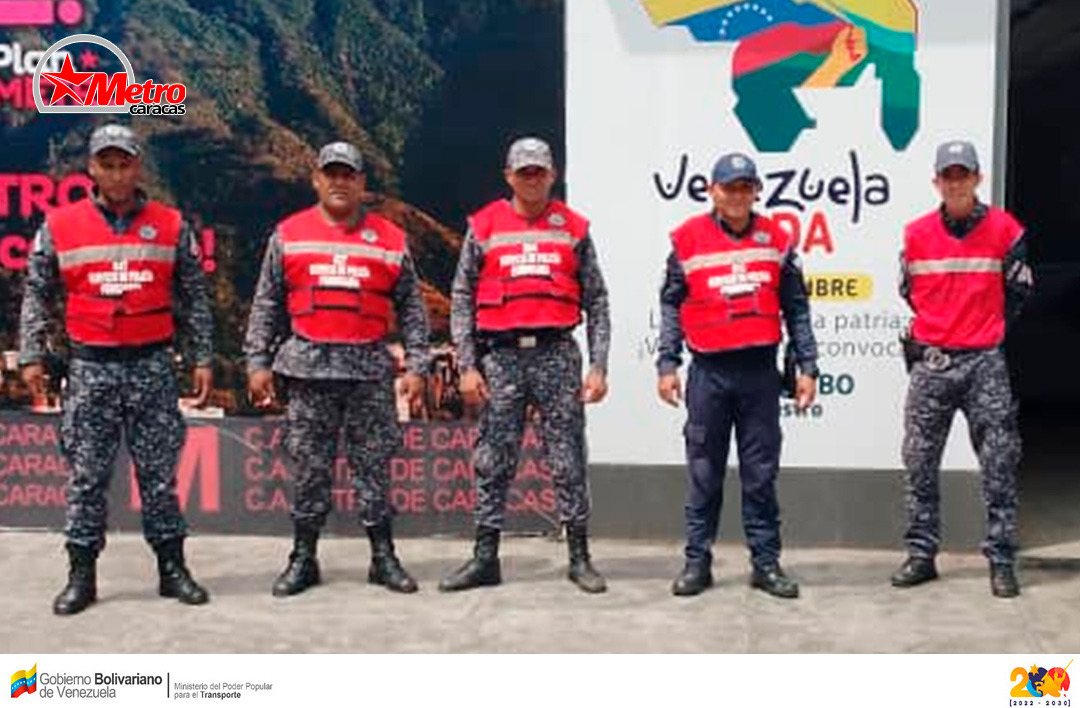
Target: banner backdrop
column 842, row 104
column 233, row 478
column 266, row 83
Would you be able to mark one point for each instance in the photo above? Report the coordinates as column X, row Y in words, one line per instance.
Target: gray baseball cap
column 341, row 153
column 116, row 136
column 956, row 153
column 529, row 152
column 734, row 167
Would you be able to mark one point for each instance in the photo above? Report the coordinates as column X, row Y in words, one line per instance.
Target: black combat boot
column 581, row 571
column 303, row 569
column 772, row 579
column 695, row 577
column 1003, row 580
column 81, row 589
column 914, row 571
column 385, row 567
column 482, row 569
column 176, row 580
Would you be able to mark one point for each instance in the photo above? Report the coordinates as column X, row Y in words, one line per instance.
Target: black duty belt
column 105, row 355
column 933, row 357
column 522, row 338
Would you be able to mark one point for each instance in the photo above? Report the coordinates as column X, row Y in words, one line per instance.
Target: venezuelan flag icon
column 23, row 682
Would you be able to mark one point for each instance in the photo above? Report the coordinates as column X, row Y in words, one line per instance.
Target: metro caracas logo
column 76, row 91
column 24, row 682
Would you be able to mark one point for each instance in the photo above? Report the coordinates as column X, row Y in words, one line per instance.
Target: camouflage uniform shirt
column 44, row 288
column 594, row 301
column 1019, row 281
column 270, row 342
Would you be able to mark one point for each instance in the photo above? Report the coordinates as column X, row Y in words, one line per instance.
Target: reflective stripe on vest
column 339, row 282
column 733, row 284
column 522, row 237
column 730, row 258
column 116, row 252
column 336, row 248
column 119, row 287
column 955, row 265
column 529, row 275
column 957, row 284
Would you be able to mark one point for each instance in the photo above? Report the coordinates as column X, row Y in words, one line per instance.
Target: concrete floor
column 847, row 604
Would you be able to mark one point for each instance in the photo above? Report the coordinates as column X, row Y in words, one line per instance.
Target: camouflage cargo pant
column 103, row 403
column 976, row 383
column 548, row 377
column 319, row 412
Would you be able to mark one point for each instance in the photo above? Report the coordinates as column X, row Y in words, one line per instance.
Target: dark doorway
column 1044, row 349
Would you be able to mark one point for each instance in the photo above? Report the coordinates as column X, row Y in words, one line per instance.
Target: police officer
column 332, row 279
column 965, row 276
column 127, row 269
column 731, row 277
column 528, row 268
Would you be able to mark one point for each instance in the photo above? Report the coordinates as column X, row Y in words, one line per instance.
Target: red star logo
column 65, row 81
column 88, row 60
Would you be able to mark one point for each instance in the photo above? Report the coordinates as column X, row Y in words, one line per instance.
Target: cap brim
column 530, row 163
column 122, row 147
column 352, row 166
column 966, row 166
column 742, row 178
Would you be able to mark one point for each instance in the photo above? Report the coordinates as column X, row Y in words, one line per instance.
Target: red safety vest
column 119, row 287
column 529, row 276
column 733, row 298
column 958, row 284
column 339, row 280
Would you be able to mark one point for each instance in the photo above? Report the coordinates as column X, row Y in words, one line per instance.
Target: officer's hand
column 203, row 379
column 261, row 387
column 33, row 376
column 594, row 387
column 412, row 385
column 805, row 391
column 670, row 389
column 473, row 388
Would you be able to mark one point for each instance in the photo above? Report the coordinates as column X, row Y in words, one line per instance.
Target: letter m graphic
column 199, row 461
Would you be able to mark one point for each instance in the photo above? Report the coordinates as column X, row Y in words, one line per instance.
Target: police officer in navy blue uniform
column 732, row 279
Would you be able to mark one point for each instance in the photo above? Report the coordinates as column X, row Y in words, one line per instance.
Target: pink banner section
column 26, row 12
